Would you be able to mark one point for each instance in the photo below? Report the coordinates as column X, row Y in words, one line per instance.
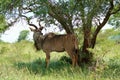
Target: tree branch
column 62, row 18
column 28, row 21
column 27, row 8
column 108, row 14
column 11, row 23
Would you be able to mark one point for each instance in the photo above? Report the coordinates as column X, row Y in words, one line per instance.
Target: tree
column 88, row 14
column 93, row 11
column 23, row 35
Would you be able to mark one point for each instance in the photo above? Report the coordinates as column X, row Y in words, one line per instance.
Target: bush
column 23, row 35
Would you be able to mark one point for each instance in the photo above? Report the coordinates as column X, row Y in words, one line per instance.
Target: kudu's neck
column 38, row 41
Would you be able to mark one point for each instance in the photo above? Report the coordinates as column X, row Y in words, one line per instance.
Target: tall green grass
column 20, row 61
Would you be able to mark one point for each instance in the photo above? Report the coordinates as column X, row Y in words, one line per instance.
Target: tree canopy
column 68, row 13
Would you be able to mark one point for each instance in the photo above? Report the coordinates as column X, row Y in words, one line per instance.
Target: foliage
column 23, row 35
column 8, row 5
column 3, row 25
column 71, row 12
column 115, row 20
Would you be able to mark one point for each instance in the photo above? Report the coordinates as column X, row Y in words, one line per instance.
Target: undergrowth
column 20, row 61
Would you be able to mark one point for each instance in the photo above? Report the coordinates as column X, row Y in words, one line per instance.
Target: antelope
column 59, row 43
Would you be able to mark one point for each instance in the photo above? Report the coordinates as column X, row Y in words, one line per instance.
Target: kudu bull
column 59, row 43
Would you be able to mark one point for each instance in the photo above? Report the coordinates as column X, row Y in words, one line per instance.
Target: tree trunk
column 86, row 43
column 93, row 40
column 86, row 56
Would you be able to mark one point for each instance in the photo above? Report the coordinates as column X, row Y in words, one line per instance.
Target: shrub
column 23, row 35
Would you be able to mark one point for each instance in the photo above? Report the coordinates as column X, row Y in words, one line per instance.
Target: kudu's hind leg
column 73, row 57
column 47, row 59
column 76, row 59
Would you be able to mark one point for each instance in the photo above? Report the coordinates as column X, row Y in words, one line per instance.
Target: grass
column 20, row 61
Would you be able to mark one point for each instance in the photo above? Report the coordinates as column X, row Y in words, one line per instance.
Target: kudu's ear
column 41, row 28
column 32, row 29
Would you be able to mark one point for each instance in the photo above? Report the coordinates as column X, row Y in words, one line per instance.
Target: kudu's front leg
column 47, row 59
